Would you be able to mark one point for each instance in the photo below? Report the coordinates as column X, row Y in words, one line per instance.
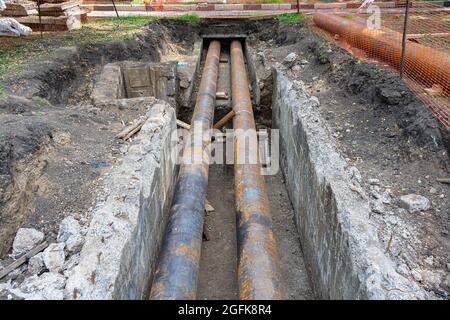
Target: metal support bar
column 177, row 272
column 258, row 270
column 405, row 27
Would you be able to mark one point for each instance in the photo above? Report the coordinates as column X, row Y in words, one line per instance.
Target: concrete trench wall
column 344, row 258
column 127, row 227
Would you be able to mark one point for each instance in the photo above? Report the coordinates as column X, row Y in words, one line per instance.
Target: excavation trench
column 326, row 239
column 322, row 239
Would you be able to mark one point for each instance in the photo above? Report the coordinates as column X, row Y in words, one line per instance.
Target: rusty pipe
column 258, row 269
column 177, row 271
column 426, row 65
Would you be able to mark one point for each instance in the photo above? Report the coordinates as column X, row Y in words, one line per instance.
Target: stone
column 68, row 227
column 74, row 243
column 414, row 203
column 433, row 190
column 417, row 275
column 36, row 264
column 48, row 286
column 62, row 138
column 390, row 96
column 377, row 207
column 375, row 182
column 290, row 59
column 70, row 232
column 314, row 101
column 296, row 68
column 54, row 257
column 432, row 279
column 25, row 240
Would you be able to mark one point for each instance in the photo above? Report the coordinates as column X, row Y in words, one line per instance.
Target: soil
column 54, row 144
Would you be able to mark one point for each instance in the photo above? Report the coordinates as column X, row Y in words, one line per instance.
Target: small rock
column 17, row 272
column 429, row 260
column 377, row 207
column 54, row 257
column 354, row 174
column 61, row 138
column 414, row 203
column 25, row 240
column 304, row 62
column 296, row 68
column 69, row 227
column 70, row 232
column 314, row 101
column 36, row 264
column 374, row 182
column 433, row 190
column 290, row 59
column 432, row 279
column 48, row 286
column 417, row 275
column 74, row 243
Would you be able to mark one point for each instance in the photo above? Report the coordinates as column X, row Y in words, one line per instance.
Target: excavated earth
column 56, row 147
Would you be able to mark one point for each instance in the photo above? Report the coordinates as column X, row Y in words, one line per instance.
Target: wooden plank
column 13, row 266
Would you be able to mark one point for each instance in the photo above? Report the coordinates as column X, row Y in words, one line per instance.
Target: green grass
column 290, row 17
column 40, row 100
column 189, row 16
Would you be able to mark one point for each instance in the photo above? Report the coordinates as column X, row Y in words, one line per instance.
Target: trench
column 326, row 246
column 218, row 268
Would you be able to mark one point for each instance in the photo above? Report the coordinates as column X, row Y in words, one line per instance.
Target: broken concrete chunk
column 314, row 101
column 48, row 286
column 74, row 243
column 25, row 240
column 36, row 264
column 69, row 227
column 290, row 59
column 414, row 203
column 54, row 257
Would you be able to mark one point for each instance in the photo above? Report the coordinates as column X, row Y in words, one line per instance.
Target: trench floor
column 218, row 263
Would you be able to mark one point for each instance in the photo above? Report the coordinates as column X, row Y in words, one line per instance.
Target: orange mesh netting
column 426, row 67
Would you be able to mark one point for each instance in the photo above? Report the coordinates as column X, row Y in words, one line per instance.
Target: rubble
column 36, row 264
column 48, row 286
column 414, row 203
column 290, row 59
column 54, row 257
column 25, row 240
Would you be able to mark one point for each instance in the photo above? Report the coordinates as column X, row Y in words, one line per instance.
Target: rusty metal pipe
column 258, row 270
column 177, row 271
column 426, row 65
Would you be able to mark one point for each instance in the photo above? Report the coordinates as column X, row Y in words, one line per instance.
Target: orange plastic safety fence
column 379, row 35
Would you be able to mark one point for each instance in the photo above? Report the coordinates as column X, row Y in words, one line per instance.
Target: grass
column 189, row 16
column 290, row 17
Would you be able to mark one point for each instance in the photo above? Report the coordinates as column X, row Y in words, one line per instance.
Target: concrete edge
column 119, row 256
column 339, row 240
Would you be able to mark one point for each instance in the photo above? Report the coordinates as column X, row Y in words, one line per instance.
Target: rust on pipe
column 258, row 266
column 224, row 120
column 177, row 272
column 426, row 65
